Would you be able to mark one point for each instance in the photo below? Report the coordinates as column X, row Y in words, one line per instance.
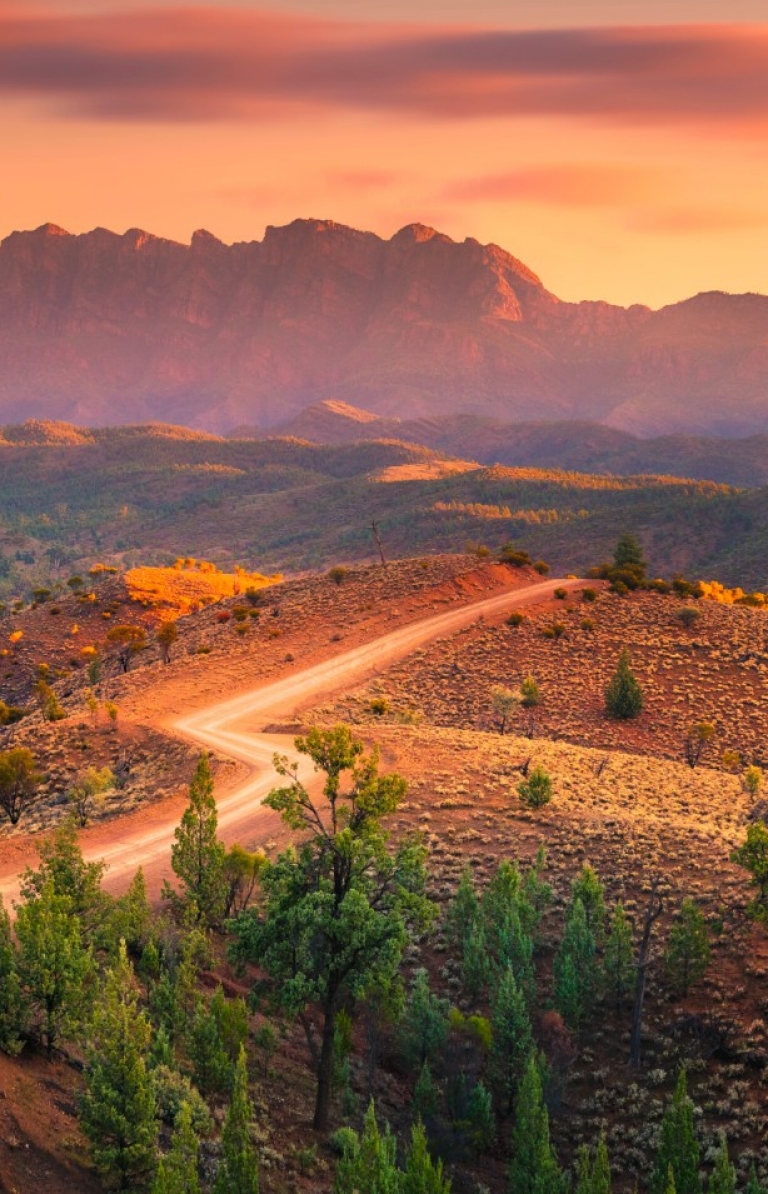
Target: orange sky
column 619, row 160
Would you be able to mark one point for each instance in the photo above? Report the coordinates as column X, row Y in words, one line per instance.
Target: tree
column 19, row 782
column 424, row 1028
column 53, row 964
column 697, row 739
column 593, row 1176
column 422, row 1175
column 678, row 1148
column 753, row 779
column 368, row 1164
column 512, row 1044
column 12, row 1009
column 618, row 958
column 87, row 790
column 132, row 916
column 50, row 706
column 688, row 951
column 534, row 1168
column 239, row 1171
column 530, row 693
column 476, row 960
column 723, row 1179
column 118, row 1105
column 241, row 872
column 536, row 790
column 177, row 1172
column 503, row 701
column 335, row 915
column 167, row 633
column 63, row 867
column 753, row 856
column 588, row 888
column 213, row 1070
column 575, row 968
column 653, row 911
column 197, row 855
column 464, row 909
column 624, row 696
column 129, row 640
column 628, row 553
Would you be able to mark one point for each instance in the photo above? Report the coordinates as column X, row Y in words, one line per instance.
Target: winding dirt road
column 237, row 728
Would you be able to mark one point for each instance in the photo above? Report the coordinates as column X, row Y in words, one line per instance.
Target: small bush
column 555, row 630
column 509, row 554
column 589, row 594
column 540, row 567
column 536, row 791
column 379, row 706
column 588, row 624
column 561, row 594
column 223, row 616
column 203, row 650
column 337, row 574
column 688, row 616
column 516, row 619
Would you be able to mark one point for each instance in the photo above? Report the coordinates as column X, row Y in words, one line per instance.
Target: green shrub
column 589, row 594
column 624, row 696
column 516, row 618
column 536, row 790
column 337, row 574
column 540, row 567
column 561, row 594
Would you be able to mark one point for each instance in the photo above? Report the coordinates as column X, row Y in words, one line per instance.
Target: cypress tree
column 197, row 855
column 512, row 1043
column 118, row 1105
column 723, row 1179
column 575, row 968
column 238, row 1172
column 624, row 696
column 619, row 957
column 422, row 1175
column 208, row 1054
column 754, row 1185
column 534, row 1168
column 588, row 888
column 425, row 1024
column 678, row 1147
column 177, row 1173
column 464, row 909
column 477, row 964
column 371, row 1168
column 593, row 1176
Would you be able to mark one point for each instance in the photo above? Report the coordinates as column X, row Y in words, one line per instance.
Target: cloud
column 566, row 185
column 677, row 220
column 194, row 64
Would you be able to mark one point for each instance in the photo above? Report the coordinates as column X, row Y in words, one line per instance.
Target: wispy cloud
column 677, row 220
column 196, row 64
column 566, row 184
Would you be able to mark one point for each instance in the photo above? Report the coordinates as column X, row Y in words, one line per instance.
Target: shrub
column 589, row 594
column 624, row 696
column 337, row 574
column 561, row 594
column 530, row 693
column 240, row 613
column 516, row 618
column 223, row 616
column 587, row 624
column 509, row 554
column 540, row 567
column 379, row 706
column 555, row 630
column 536, row 791
column 688, row 616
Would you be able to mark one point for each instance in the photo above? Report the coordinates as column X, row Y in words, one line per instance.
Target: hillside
column 147, row 495
column 102, row 328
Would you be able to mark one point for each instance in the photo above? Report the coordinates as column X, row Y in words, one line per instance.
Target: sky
column 618, row 148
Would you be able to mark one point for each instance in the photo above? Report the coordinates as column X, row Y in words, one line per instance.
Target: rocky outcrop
column 102, row 328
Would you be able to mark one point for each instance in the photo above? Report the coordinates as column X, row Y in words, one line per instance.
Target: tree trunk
column 652, row 914
column 325, row 1073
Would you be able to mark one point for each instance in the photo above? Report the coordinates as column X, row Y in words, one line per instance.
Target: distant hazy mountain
column 102, row 329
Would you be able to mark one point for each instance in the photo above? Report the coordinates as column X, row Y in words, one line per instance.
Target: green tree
column 239, row 1171
column 504, row 702
column 213, row 1069
column 128, row 640
column 476, row 961
column 593, row 1175
column 678, row 1148
column 512, row 1044
column 87, row 790
column 426, row 1095
column 619, row 957
column 697, row 739
column 464, row 909
column 753, row 856
column 575, row 968
column 53, row 964
column 50, row 705
column 132, row 916
column 536, row 790
column 63, row 866
column 335, row 916
column 422, row 1175
column 12, row 1009
column 241, row 875
column 628, row 553
column 534, row 1168
column 369, row 1164
column 688, row 952
column 754, row 1186
column 197, row 855
column 723, row 1179
column 530, row 693
column 19, row 782
column 424, row 1027
column 167, row 633
column 177, row 1172
column 624, row 696
column 118, row 1106
column 588, row 888
column 480, row 1117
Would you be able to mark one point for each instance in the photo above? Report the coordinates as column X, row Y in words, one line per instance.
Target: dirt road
column 237, row 728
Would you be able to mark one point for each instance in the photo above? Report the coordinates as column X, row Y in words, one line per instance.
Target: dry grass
column 181, row 590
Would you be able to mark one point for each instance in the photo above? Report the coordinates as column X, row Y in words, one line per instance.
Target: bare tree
column 653, row 911
column 377, row 538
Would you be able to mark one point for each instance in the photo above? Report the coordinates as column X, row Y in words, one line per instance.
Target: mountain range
column 103, row 329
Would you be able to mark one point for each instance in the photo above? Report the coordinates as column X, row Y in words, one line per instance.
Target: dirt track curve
column 237, row 728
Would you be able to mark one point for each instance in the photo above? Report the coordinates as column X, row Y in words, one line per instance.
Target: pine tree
column 575, row 968
column 12, row 1009
column 723, row 1179
column 624, row 696
column 54, row 967
column 678, row 1148
column 619, row 957
column 477, row 963
column 197, row 855
column 422, row 1175
column 371, row 1168
column 588, row 888
column 464, row 909
column 424, row 1029
column 480, row 1116
column 534, row 1168
column 177, row 1172
column 754, row 1185
column 593, row 1176
column 238, row 1172
column 514, row 947
column 118, row 1105
column 426, row 1095
column 512, row 1044
column 688, row 951
column 208, row 1054
column 132, row 916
